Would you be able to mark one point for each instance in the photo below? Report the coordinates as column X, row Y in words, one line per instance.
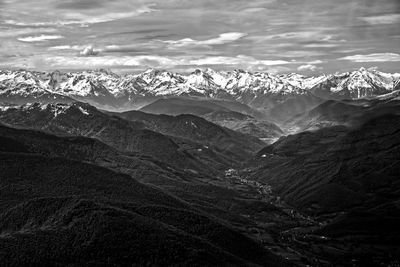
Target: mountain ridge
column 108, row 89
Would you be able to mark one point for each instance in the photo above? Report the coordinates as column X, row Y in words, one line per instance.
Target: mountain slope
column 228, row 142
column 350, row 113
column 177, row 106
column 91, row 215
column 194, row 188
column 334, row 169
column 230, row 114
column 85, row 120
column 245, row 124
column 347, row 178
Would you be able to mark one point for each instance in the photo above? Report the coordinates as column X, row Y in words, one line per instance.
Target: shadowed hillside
column 233, row 144
column 91, row 215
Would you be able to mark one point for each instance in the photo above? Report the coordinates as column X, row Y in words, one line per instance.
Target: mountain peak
column 362, row 69
column 198, row 72
column 106, row 88
column 108, row 72
column 149, row 70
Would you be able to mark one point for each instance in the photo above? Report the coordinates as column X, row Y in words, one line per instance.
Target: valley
column 299, row 237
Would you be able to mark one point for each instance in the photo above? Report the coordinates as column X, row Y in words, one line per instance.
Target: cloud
column 223, row 38
column 144, row 61
column 81, row 4
column 320, row 45
column 299, row 35
column 89, row 51
column 109, row 61
column 273, row 70
column 67, row 47
column 39, row 38
column 238, row 60
column 315, row 62
column 373, row 68
column 302, row 54
column 376, row 57
column 126, row 48
column 81, row 18
column 308, row 67
column 11, row 32
column 382, row 19
column 39, row 24
column 254, row 9
column 318, row 35
column 202, row 32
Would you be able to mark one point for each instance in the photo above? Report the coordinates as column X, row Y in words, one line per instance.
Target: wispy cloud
column 81, row 18
column 320, row 45
column 121, row 49
column 221, row 39
column 376, row 57
column 316, row 62
column 66, row 47
column 40, row 24
column 143, row 47
column 274, row 69
column 81, row 4
column 294, row 35
column 145, row 61
column 109, row 16
column 238, row 60
column 382, row 19
column 10, row 32
column 308, row 67
column 302, row 54
column 39, row 38
column 110, row 61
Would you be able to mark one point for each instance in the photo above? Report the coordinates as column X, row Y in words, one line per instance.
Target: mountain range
column 107, row 89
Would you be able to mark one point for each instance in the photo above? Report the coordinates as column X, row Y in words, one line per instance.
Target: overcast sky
column 305, row 36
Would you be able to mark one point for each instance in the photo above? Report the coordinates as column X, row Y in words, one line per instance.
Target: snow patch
column 84, row 111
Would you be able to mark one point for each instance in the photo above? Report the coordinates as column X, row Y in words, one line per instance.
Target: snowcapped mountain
column 367, row 83
column 21, row 87
column 109, row 90
column 362, row 83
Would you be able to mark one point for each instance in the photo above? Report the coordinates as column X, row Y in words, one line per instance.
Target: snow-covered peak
column 20, row 77
column 56, row 109
column 105, row 85
column 208, row 78
column 368, row 82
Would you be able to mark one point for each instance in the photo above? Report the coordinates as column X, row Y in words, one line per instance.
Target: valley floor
column 295, row 236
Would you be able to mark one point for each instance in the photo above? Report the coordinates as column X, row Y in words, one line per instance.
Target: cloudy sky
column 305, row 36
